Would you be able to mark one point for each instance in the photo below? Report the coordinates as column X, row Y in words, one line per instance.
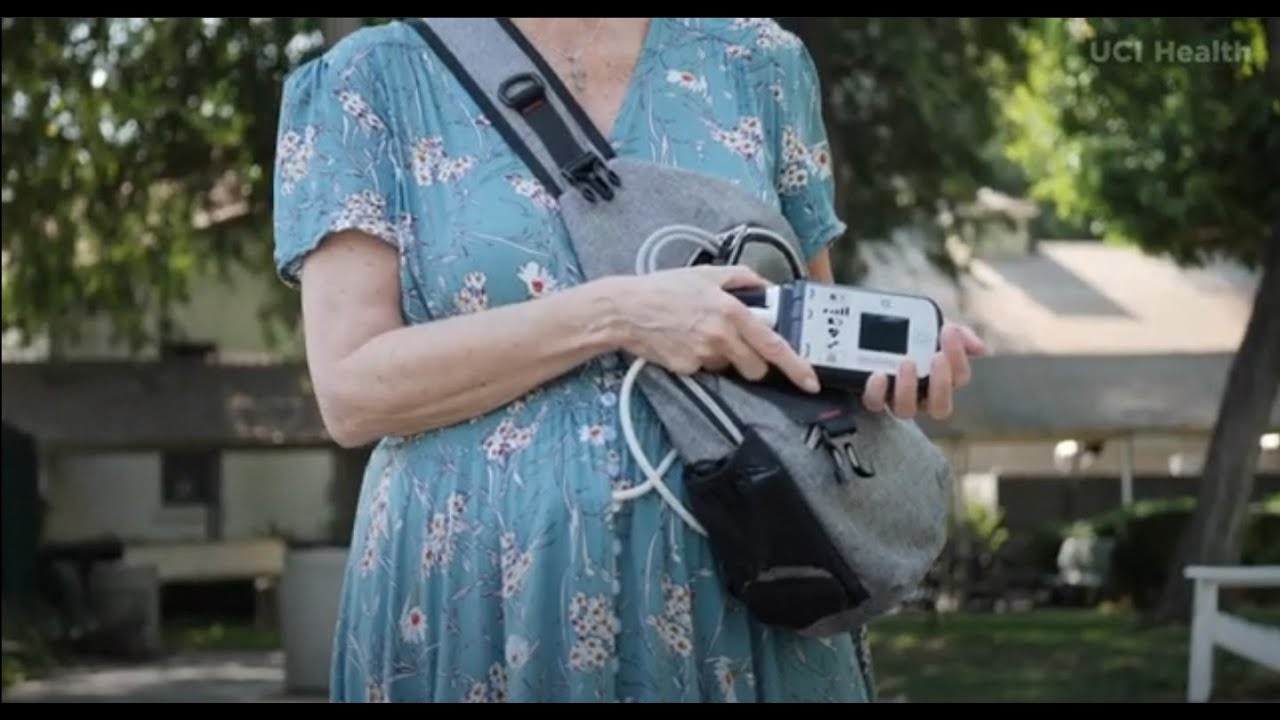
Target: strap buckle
column 523, row 92
column 849, row 463
column 591, row 176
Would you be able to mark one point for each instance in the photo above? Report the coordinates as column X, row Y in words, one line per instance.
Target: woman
column 446, row 320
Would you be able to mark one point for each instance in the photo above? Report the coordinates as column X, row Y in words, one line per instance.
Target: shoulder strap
column 528, row 105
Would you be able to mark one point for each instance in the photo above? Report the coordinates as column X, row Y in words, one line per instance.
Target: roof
column 1079, row 298
column 1036, row 397
column 180, row 404
column 119, row 405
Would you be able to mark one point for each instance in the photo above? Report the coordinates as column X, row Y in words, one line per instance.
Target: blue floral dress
column 489, row 561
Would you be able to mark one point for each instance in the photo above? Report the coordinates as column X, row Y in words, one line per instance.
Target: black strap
column 490, row 111
column 570, row 102
column 525, row 93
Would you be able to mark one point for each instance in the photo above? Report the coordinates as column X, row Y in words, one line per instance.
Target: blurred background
column 1099, row 198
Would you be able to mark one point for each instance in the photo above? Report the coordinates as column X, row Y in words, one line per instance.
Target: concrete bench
column 1211, row 628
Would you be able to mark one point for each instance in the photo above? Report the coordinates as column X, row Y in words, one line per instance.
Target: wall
column 1151, row 455
column 1024, row 482
column 119, row 495
column 265, row 493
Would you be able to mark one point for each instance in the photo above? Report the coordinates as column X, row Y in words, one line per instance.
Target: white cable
column 647, row 262
column 653, row 476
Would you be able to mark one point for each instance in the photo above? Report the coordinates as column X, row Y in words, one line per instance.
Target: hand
column 683, row 320
column 950, row 370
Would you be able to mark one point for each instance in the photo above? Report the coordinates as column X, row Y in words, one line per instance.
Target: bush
column 1146, row 537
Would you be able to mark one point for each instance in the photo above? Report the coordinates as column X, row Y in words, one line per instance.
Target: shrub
column 1146, row 537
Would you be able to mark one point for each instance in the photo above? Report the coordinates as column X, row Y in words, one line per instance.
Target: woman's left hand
column 950, row 370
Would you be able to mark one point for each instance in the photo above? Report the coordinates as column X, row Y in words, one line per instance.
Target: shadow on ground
column 205, row 677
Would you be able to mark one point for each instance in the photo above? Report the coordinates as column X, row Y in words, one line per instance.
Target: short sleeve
column 803, row 167
column 335, row 166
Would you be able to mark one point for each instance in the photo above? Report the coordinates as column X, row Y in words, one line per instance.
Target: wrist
column 605, row 320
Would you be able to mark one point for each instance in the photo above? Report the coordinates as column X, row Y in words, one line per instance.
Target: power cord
column 647, row 262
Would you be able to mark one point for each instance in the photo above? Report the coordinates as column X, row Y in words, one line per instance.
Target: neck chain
column 577, row 73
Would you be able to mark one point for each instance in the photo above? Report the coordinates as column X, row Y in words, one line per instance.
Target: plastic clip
column 593, row 178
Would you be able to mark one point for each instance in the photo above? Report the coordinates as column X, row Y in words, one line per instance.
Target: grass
column 197, row 636
column 1042, row 656
column 1050, row 656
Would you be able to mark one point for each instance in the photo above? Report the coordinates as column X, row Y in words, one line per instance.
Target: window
column 190, row 478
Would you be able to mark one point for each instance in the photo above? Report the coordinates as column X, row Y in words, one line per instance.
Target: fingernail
column 811, row 384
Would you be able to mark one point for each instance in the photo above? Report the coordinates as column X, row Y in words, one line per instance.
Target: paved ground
column 197, row 678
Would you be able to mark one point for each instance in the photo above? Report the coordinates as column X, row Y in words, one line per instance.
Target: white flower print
column 427, row 154
column 536, row 279
column 769, row 34
column 478, row 693
column 518, row 651
column 379, row 524
column 738, row 52
column 675, row 624
column 413, row 626
column 366, row 211
column 442, row 534
column 293, row 155
column 728, row 673
column 374, row 692
column 432, row 164
column 745, row 139
column 493, row 689
column 356, row 107
column 506, row 440
column 687, row 80
column 515, row 566
column 593, row 434
column 472, row 297
column 595, row 626
column 532, row 189
column 801, row 162
column 497, row 683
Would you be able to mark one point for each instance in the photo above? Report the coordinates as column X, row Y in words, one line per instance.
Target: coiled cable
column 647, row 262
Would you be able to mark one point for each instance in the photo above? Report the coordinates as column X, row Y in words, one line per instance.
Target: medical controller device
column 847, row 333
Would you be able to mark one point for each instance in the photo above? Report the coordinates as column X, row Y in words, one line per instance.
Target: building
column 1103, row 385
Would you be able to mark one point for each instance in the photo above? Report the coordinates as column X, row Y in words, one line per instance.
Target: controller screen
column 883, row 333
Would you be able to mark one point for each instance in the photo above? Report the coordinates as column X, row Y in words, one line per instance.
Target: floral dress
column 489, row 561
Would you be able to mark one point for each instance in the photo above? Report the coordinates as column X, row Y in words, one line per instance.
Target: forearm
column 421, row 377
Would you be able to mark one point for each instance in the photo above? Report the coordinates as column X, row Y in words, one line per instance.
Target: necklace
column 577, row 73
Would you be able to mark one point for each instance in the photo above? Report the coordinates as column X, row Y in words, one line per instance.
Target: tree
column 911, row 113
column 133, row 148
column 1165, row 133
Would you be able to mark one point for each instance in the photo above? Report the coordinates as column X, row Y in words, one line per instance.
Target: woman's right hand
column 683, row 320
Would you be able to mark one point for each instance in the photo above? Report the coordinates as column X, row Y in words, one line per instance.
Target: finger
column 973, row 345
column 773, row 349
column 730, row 277
column 953, row 351
column 748, row 362
column 875, row 392
column 939, row 397
column 904, row 391
column 716, row 365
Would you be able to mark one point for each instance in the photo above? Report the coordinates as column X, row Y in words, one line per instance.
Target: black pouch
column 773, row 553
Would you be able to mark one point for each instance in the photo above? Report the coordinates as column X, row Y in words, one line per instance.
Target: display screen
column 883, row 333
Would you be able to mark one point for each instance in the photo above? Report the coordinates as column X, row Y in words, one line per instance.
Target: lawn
column 1049, row 656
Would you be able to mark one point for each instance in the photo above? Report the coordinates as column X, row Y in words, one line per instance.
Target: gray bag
column 823, row 516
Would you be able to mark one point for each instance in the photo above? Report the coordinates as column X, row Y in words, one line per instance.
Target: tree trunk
column 1216, row 533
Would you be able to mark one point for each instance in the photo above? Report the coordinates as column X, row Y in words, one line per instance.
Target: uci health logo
column 1137, row 50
